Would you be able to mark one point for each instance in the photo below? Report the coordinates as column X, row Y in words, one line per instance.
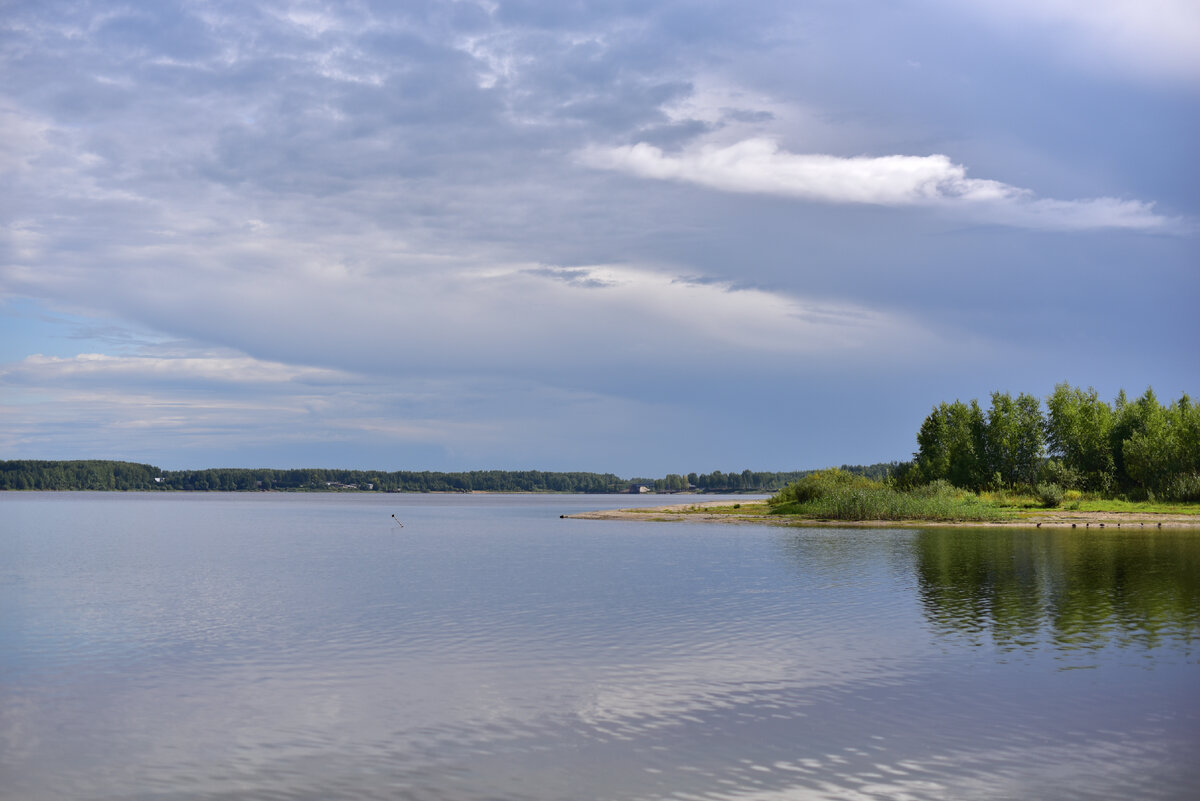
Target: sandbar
column 755, row 513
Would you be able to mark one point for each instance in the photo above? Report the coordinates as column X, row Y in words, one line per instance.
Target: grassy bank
column 1079, row 502
column 837, row 495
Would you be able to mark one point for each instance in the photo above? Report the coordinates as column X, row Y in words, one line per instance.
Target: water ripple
column 297, row 650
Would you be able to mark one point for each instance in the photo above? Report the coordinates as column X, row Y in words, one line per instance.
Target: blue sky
column 613, row 236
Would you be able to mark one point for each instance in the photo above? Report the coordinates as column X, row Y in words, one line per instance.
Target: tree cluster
column 112, row 475
column 755, row 480
column 28, row 474
column 1137, row 447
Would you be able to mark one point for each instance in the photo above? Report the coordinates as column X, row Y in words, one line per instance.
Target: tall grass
column 836, row 495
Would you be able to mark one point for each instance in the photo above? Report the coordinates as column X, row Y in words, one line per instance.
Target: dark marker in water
column 401, row 525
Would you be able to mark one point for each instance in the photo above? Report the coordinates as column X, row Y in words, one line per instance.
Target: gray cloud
column 348, row 201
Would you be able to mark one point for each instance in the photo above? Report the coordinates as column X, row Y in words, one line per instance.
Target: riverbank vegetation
column 1137, row 450
column 1082, row 454
column 126, row 476
column 131, row 476
column 837, row 495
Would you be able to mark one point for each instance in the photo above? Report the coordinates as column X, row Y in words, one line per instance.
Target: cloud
column 162, row 406
column 717, row 316
column 759, row 166
column 121, row 369
column 295, row 304
column 318, row 216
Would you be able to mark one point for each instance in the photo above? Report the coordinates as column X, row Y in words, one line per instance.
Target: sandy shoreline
column 1050, row 518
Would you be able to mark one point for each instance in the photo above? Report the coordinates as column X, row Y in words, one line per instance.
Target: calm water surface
column 274, row 646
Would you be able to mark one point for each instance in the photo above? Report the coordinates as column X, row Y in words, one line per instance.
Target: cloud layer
column 459, row 234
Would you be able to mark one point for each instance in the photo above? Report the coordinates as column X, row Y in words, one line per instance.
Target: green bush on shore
column 837, row 495
column 1050, row 495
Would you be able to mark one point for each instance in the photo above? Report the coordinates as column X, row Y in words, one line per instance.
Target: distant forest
column 128, row 476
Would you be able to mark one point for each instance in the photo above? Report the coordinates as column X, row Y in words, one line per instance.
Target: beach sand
column 753, row 513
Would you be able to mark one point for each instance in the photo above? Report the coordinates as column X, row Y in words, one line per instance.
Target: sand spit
column 754, row 513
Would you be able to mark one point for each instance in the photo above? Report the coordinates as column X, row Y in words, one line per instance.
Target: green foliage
column 819, row 484
column 100, row 475
column 1139, row 448
column 838, row 495
column 1078, row 432
column 1014, row 436
column 1183, row 488
column 1053, row 471
column 756, row 481
column 939, row 489
column 953, row 445
column 905, row 476
column 30, row 474
column 1050, row 495
column 1004, row 448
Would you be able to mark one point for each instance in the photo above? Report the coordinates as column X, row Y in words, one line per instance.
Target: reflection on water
column 304, row 648
column 1075, row 591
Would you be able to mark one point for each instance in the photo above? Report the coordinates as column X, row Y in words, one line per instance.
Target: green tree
column 949, row 445
column 1129, row 418
column 1078, row 428
column 1014, row 439
column 1163, row 455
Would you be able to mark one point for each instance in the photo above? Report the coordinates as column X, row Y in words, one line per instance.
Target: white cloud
column 759, row 166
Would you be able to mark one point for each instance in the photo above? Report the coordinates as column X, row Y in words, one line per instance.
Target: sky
column 600, row 235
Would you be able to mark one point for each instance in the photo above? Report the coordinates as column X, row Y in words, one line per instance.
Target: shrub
column 1053, row 471
column 841, row 500
column 1050, row 495
column 819, row 484
column 937, row 489
column 1183, row 488
column 905, row 476
column 1073, row 495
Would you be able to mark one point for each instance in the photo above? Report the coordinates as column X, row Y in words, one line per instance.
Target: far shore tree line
column 130, row 476
column 1139, row 448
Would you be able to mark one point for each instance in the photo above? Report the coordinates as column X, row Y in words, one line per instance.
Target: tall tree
column 1014, row 438
column 1078, row 428
column 949, row 445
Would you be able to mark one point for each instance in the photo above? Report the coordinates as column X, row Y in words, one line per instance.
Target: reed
column 832, row 495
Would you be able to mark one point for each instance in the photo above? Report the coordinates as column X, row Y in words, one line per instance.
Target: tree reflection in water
column 1067, row 589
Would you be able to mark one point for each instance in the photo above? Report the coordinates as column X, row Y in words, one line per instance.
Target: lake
column 304, row 646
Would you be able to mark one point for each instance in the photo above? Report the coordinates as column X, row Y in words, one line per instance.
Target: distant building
column 636, row 489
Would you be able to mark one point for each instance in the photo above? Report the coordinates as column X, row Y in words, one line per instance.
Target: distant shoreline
column 332, row 491
column 755, row 513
